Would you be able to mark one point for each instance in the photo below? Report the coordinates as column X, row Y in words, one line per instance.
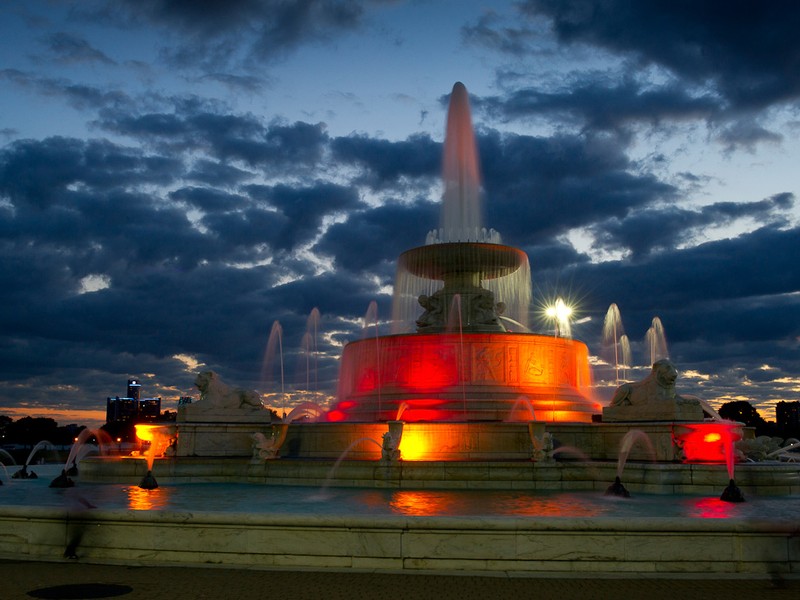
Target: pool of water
column 284, row 500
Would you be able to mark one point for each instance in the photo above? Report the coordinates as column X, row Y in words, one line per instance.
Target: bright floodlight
column 560, row 313
column 559, row 310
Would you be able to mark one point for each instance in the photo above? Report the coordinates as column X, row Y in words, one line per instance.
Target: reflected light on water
column 142, row 499
column 712, row 508
column 565, row 506
column 421, row 503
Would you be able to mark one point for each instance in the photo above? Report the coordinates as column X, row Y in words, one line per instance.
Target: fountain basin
column 399, row 530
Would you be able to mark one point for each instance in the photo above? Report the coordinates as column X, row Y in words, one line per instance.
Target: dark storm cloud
column 246, row 83
column 665, row 228
column 746, row 133
column 339, row 293
column 216, row 173
column 37, row 173
column 719, row 61
column 748, row 51
column 209, row 199
column 304, row 208
column 80, row 96
column 247, row 231
column 760, row 263
column 216, row 33
column 68, row 48
column 274, row 147
column 385, row 162
column 373, row 239
column 553, row 254
column 487, row 31
column 541, row 187
column 599, row 103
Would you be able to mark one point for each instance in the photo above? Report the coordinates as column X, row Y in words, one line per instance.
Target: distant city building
column 787, row 417
column 133, row 388
column 132, row 408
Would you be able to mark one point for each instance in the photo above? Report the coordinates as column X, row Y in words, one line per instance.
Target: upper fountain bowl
column 437, row 261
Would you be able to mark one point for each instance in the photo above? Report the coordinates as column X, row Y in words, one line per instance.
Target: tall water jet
column 612, row 334
column 307, row 349
column 310, row 347
column 627, row 356
column 274, row 352
column 656, row 341
column 462, row 209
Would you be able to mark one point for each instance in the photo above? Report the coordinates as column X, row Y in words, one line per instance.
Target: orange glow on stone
column 414, row 445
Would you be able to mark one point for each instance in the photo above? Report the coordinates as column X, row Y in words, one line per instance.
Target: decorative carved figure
column 659, row 386
column 653, row 399
column 484, row 311
column 434, row 311
column 217, row 394
column 264, row 448
column 542, row 448
column 389, row 450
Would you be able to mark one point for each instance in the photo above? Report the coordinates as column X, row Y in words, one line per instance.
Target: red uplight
column 710, row 442
column 336, row 416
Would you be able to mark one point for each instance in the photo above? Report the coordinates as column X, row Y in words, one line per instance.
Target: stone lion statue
column 658, row 387
column 220, row 395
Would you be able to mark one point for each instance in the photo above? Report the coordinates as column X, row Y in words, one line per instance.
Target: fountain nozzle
column 732, row 493
column 62, row 481
column 23, row 473
column 617, row 489
column 148, row 482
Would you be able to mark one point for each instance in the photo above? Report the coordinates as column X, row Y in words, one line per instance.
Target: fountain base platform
column 491, row 546
column 754, row 479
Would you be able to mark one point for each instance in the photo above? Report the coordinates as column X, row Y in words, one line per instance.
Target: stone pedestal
column 656, row 411
column 219, row 432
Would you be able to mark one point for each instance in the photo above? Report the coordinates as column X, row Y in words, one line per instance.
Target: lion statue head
column 665, row 373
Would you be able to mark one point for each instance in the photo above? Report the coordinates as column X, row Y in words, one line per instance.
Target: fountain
column 461, row 398
column 461, row 292
column 460, row 375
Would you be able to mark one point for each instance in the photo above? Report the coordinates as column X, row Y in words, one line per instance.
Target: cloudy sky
column 176, row 176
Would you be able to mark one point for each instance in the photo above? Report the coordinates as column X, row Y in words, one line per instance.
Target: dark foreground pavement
column 76, row 580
